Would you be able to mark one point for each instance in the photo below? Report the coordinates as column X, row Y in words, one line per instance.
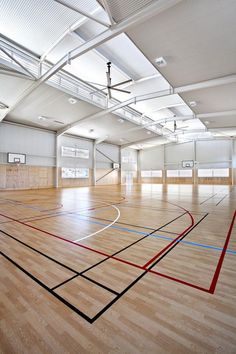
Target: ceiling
column 195, row 38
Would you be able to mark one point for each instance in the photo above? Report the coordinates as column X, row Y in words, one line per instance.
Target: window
column 214, row 172
column 204, row 173
column 180, row 173
column 149, row 174
column 74, row 152
column 74, row 172
column 172, row 173
column 185, row 173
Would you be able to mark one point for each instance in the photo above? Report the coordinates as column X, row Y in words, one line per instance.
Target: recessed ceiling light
column 42, row 118
column 160, row 62
column 120, row 120
column 3, row 106
column 72, row 100
column 192, row 103
column 207, row 122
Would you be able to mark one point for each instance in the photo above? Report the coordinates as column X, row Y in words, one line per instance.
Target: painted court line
column 190, row 243
column 215, row 278
column 104, row 228
column 220, row 262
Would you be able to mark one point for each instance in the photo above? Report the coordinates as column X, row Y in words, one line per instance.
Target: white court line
column 104, row 228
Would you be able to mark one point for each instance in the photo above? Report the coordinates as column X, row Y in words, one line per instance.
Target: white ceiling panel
column 35, row 24
column 197, row 39
column 214, row 99
column 51, row 103
column 121, row 9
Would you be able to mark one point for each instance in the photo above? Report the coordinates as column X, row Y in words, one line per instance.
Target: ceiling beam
column 69, row 30
column 108, row 11
column 225, row 80
column 144, row 14
column 149, row 96
column 141, row 141
column 104, row 112
column 83, row 13
column 17, row 62
column 140, row 16
column 9, row 72
column 216, row 114
column 146, row 126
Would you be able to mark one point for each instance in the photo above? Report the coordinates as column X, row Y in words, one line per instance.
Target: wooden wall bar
column 35, row 177
column 26, row 177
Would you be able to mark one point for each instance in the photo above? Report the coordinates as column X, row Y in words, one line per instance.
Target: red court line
column 179, row 280
column 220, row 262
column 172, row 242
column 215, row 277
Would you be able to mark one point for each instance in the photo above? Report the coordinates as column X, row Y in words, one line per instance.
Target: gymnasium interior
column 118, row 176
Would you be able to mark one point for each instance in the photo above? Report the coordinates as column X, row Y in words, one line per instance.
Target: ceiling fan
column 175, row 127
column 109, row 85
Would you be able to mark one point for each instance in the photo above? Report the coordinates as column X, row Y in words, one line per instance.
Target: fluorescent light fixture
column 120, row 120
column 72, row 100
column 160, row 62
column 192, row 103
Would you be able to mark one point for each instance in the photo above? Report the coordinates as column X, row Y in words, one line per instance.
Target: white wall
column 79, row 143
column 111, row 151
column 38, row 145
column 209, row 154
column 214, row 153
column 129, row 159
column 176, row 153
column 152, row 159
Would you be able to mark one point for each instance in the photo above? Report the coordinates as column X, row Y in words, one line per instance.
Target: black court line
column 65, row 302
column 125, row 248
column 178, row 241
column 222, row 199
column 143, row 274
column 170, row 222
column 90, row 320
column 59, row 263
column 208, row 198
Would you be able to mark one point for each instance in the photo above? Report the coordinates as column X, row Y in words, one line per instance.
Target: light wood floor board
column 161, row 279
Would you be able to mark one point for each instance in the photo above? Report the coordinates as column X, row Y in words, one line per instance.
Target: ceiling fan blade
column 121, row 83
column 112, row 88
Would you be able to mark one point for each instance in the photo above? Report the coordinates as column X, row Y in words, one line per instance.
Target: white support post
column 139, row 166
column 194, row 167
column 57, row 148
column 119, row 171
column 164, row 170
column 94, row 164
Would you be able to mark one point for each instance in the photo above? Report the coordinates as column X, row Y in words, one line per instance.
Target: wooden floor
column 161, row 279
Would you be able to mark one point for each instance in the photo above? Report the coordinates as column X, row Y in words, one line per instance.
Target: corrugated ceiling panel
column 37, row 24
column 121, row 9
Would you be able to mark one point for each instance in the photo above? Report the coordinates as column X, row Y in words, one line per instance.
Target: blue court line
column 152, row 235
